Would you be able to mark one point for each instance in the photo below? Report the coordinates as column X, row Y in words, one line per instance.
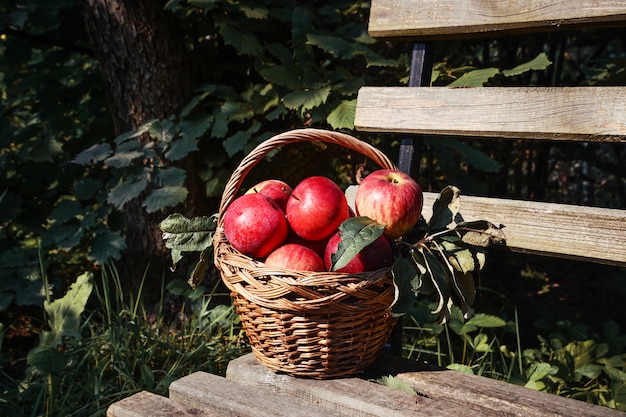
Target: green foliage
column 90, row 359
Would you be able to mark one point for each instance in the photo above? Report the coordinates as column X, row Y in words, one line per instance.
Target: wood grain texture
column 498, row 398
column 440, row 19
column 232, row 398
column 351, row 397
column 556, row 113
column 561, row 230
column 147, row 404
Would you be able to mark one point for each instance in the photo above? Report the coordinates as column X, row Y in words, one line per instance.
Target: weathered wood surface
column 232, row 398
column 146, row 404
column 561, row 230
column 439, row 19
column 250, row 389
column 557, row 113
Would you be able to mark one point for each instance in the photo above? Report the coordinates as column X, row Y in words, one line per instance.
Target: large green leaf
column 64, row 314
column 332, row 44
column 343, row 115
column 126, row 191
column 182, row 234
column 539, row 63
column 306, row 99
column 475, row 78
column 356, row 234
column 160, row 198
column 106, row 245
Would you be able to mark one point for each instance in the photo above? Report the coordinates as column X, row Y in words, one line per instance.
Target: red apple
column 295, row 257
column 277, row 190
column 255, row 225
column 374, row 256
column 318, row 246
column 391, row 198
column 316, row 208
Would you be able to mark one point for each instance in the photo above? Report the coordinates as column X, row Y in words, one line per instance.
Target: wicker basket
column 308, row 324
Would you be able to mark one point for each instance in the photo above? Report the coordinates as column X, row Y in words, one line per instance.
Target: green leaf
column 486, row 320
column 239, row 141
column 306, row 99
column 121, row 159
column 441, row 282
column 475, row 78
column 126, row 191
column 395, row 383
column 162, row 130
column 590, row 370
column 244, row 43
column 481, row 233
column 332, row 44
column 134, row 133
column 195, row 127
column 540, row 62
column 201, row 266
column 282, row 75
column 106, row 245
column 356, row 233
column 445, row 209
column 343, row 115
column 406, row 283
column 461, row 368
column 65, row 210
column 182, row 234
column 474, row 157
column 540, row 370
column 87, row 188
column 95, row 153
column 64, row 314
column 168, row 196
column 169, row 176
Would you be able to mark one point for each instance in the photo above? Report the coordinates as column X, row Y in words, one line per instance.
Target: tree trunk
column 143, row 61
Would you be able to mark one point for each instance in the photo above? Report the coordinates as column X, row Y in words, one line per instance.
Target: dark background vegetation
column 117, row 113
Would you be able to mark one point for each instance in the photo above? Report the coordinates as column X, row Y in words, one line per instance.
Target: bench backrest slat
column 567, row 231
column 558, row 113
column 440, row 19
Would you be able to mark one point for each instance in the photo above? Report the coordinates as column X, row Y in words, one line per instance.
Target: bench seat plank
column 439, row 19
column 147, row 404
column 556, row 113
column 568, row 231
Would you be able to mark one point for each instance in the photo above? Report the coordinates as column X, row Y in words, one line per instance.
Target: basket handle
column 293, row 136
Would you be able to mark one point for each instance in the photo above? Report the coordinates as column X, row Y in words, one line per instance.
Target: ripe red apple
column 255, row 225
column 277, row 190
column 295, row 257
column 374, row 256
column 316, row 208
column 318, row 246
column 392, row 198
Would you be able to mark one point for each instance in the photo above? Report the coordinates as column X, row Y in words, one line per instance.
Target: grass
column 121, row 348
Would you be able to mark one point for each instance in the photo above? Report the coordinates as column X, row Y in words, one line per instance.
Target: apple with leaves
column 277, row 190
column 295, row 257
column 391, row 198
column 376, row 255
column 255, row 225
column 316, row 208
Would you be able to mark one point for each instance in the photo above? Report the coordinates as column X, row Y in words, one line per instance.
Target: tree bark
column 144, row 64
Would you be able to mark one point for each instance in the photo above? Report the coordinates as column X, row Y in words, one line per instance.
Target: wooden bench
column 589, row 114
column 251, row 390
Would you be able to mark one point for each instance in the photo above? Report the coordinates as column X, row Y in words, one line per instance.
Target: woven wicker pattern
column 309, row 324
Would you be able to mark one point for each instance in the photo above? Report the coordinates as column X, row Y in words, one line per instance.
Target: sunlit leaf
column 356, row 233
column 306, row 99
column 486, row 320
column 343, row 115
column 395, row 383
column 475, row 78
column 63, row 315
column 182, row 234
column 481, row 233
column 540, row 62
column 445, row 209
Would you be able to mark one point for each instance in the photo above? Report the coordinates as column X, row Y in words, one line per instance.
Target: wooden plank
column 146, row 404
column 350, row 397
column 557, row 113
column 230, row 398
column 440, row 19
column 499, row 398
column 568, row 231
